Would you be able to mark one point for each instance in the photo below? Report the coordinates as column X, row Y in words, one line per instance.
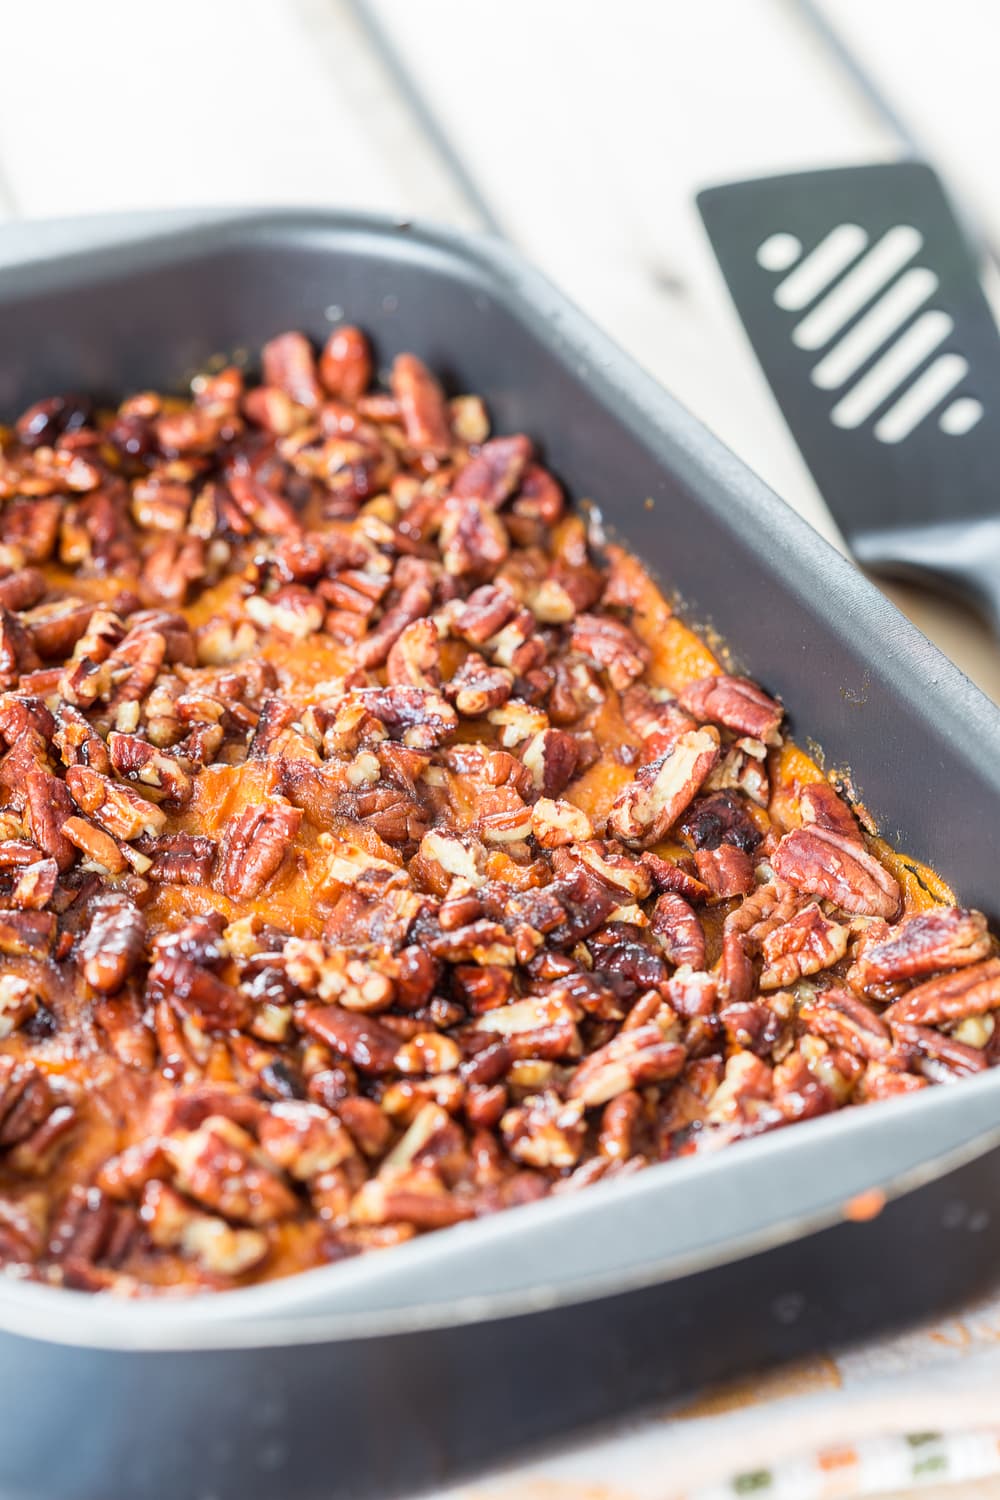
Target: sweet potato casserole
column 379, row 850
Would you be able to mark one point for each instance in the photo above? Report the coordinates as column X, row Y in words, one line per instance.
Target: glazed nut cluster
column 378, row 850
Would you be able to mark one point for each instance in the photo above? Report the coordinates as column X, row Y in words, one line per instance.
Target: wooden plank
column 114, row 105
column 589, row 139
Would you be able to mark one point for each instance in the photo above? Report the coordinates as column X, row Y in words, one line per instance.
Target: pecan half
column 422, row 405
column 804, row 945
column 113, row 944
column 951, row 997
column 124, row 813
column 820, row 806
column 197, row 994
column 823, row 863
column 345, row 365
column 495, row 472
column 726, row 870
column 946, row 938
column 631, row 1060
column 180, row 858
column 253, row 848
column 218, row 1165
column 654, row 800
column 368, row 1044
column 737, row 703
column 843, row 1020
column 676, row 925
column 611, row 646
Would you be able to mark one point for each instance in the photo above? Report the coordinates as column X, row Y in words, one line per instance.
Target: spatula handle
column 961, row 558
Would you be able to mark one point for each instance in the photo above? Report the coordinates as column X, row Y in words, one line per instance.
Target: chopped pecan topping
column 362, row 875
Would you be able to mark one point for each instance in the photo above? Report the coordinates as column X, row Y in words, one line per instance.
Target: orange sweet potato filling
column 378, row 848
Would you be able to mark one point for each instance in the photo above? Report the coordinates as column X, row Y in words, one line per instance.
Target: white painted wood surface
column 586, row 127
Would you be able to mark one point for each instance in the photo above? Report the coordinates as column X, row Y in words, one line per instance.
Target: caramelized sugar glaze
column 379, row 850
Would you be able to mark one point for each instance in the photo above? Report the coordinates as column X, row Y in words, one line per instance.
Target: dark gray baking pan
column 406, row 1369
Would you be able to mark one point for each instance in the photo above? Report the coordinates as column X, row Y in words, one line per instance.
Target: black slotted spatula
column 863, row 303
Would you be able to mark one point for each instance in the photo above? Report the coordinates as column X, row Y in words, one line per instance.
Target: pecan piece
column 123, row 812
column 484, row 613
column 17, row 654
column 721, row 819
column 843, row 1020
column 805, row 945
column 551, row 756
column 555, row 824
column 414, row 658
column 113, row 944
column 28, row 934
column 726, row 870
column 823, row 863
column 948, row 937
column 363, row 1040
column 288, row 362
column 253, row 848
column 743, row 768
column 495, row 472
column 35, row 884
column 737, row 703
column 822, row 808
column 48, row 805
column 345, row 365
column 180, row 858
column 197, row 994
column 420, row 717
column 473, row 540
column 610, row 646
column 679, row 930
column 477, row 688
column 137, row 760
column 545, row 1131
column 950, row 997
column 940, row 1057
column 99, row 848
column 304, row 1139
column 172, row 1224
column 21, row 590
column 412, row 604
column 18, row 1003
column 219, row 1165
column 630, row 1061
column 652, row 802
column 422, row 405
